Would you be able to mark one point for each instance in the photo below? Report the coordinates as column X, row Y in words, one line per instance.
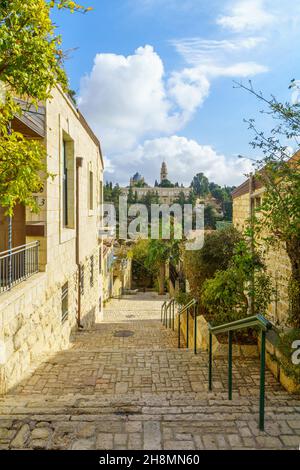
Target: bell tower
column 163, row 172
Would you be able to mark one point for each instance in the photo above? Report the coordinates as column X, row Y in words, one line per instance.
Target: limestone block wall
column 219, row 349
column 241, row 211
column 166, row 195
column 31, row 314
column 277, row 262
column 31, row 322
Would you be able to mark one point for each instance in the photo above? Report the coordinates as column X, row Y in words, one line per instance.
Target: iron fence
column 18, row 264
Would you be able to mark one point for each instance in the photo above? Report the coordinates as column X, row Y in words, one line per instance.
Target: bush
column 142, row 274
column 285, row 344
column 182, row 298
column 228, row 294
column 216, row 254
column 224, row 297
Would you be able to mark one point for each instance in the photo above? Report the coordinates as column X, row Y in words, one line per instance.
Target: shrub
column 182, row 298
column 285, row 346
column 228, row 294
column 224, row 297
column 216, row 254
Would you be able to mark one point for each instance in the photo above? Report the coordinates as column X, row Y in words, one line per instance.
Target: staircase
column 125, row 385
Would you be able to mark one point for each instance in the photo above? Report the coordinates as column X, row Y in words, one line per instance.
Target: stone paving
column 141, row 392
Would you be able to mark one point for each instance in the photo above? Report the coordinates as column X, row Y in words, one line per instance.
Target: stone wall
column 31, row 322
column 166, row 195
column 219, row 349
column 278, row 263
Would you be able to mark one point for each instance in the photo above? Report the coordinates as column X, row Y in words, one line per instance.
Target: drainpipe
column 79, row 162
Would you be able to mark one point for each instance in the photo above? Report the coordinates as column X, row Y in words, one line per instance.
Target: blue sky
column 154, row 78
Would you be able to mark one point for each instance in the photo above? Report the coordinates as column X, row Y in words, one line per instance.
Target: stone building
column 246, row 198
column 137, row 179
column 50, row 284
column 165, row 195
column 117, row 270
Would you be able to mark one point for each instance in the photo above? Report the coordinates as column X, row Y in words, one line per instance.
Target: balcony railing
column 18, row 264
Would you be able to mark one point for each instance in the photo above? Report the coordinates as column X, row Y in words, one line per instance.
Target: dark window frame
column 65, row 186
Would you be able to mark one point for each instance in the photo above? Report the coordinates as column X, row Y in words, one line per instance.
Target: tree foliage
column 200, row 184
column 216, row 254
column 166, row 184
column 31, row 64
column 228, row 294
column 278, row 216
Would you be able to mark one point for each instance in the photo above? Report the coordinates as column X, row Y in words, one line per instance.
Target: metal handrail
column 164, row 313
column 186, row 308
column 188, row 305
column 18, row 264
column 255, row 320
column 264, row 325
column 162, row 310
column 18, row 249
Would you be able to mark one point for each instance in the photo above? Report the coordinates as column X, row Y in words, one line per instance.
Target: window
column 81, row 280
column 91, row 190
column 257, row 202
column 64, row 302
column 68, row 183
column 92, row 271
column 65, row 185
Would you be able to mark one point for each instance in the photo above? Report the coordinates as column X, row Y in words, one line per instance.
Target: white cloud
column 184, row 158
column 210, row 59
column 247, row 15
column 189, row 89
column 136, row 110
column 126, row 98
column 197, row 50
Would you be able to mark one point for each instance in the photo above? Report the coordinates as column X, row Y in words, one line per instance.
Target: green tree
column 228, row 295
column 159, row 252
column 166, row 184
column 210, row 217
column 130, row 196
column 216, row 254
column 279, row 212
column 200, row 185
column 31, row 64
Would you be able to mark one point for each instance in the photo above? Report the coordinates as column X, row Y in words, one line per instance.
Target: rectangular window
column 65, row 186
column 81, row 280
column 91, row 190
column 64, row 302
column 67, row 182
column 92, row 271
column 257, row 202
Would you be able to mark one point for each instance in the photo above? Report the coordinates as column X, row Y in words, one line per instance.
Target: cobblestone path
column 141, row 392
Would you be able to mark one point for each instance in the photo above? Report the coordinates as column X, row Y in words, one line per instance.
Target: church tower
column 163, row 172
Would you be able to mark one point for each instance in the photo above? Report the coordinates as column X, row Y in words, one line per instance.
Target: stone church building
column 166, row 195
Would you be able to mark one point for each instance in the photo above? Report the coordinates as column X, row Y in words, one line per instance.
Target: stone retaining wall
column 31, row 321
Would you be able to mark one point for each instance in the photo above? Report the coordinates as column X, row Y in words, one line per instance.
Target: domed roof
column 137, row 177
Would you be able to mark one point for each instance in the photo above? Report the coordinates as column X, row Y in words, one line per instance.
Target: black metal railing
column 248, row 322
column 168, row 319
column 18, row 264
column 168, row 313
column 189, row 309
